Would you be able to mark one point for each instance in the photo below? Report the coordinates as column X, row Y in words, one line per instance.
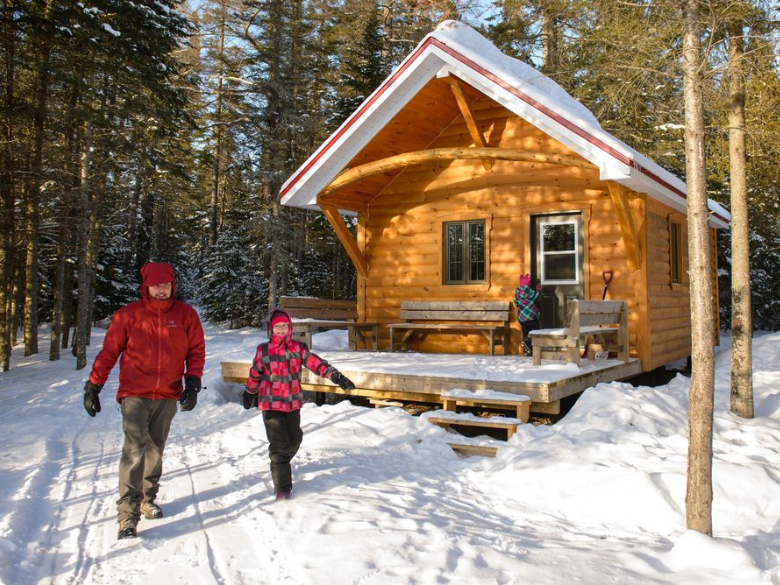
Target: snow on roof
column 455, row 48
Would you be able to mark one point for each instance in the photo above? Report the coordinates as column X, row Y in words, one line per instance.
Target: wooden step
column 446, row 419
column 468, row 449
column 520, row 403
column 383, row 403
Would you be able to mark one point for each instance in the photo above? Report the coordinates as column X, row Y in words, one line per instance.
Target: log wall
column 668, row 306
column 402, row 235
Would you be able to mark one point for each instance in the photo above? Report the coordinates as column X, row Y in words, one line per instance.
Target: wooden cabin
column 466, row 168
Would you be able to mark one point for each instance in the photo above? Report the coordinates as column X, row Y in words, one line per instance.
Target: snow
column 379, row 497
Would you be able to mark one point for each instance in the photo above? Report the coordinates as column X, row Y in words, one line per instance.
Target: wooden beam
column 626, row 220
column 345, row 236
column 399, row 161
column 468, row 116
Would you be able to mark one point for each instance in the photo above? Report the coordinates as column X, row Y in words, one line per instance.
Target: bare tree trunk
column 132, row 227
column 82, row 315
column 216, row 174
column 698, row 498
column 550, row 42
column 741, row 317
column 7, row 179
column 33, row 190
column 31, row 273
column 67, row 305
column 59, row 293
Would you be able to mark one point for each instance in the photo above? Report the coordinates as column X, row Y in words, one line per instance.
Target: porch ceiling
column 414, row 128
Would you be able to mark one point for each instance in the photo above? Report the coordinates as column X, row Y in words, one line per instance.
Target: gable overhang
column 436, row 57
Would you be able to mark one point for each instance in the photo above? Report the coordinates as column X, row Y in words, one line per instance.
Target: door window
column 559, row 252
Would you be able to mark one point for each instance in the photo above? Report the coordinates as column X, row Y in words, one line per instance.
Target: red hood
column 156, row 273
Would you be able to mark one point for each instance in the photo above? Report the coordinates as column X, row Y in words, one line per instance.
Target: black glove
column 189, row 397
column 91, row 399
column 250, row 400
column 342, row 381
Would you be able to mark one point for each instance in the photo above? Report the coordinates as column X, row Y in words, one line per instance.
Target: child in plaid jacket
column 274, row 387
column 527, row 311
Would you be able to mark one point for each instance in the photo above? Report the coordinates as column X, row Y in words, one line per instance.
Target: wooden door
column 558, row 253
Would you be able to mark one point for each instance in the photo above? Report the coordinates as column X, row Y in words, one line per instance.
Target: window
column 464, row 252
column 558, row 252
column 675, row 252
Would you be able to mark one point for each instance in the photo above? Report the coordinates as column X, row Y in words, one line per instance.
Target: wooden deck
column 378, row 377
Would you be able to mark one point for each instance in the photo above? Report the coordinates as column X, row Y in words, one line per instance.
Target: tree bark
column 82, row 313
column 33, row 191
column 7, row 179
column 59, row 293
column 698, row 498
column 741, row 317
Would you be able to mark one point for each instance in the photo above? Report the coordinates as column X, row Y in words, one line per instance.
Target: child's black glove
column 249, row 400
column 342, row 381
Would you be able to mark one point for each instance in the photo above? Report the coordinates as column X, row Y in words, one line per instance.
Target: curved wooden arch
column 406, row 159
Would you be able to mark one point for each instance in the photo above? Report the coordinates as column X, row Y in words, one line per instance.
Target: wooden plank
column 521, row 407
column 501, row 316
column 579, row 383
column 456, row 305
column 390, row 385
column 468, row 116
column 397, row 162
column 469, row 449
column 493, row 422
column 345, row 237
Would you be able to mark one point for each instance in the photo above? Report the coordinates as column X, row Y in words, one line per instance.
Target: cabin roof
column 456, row 49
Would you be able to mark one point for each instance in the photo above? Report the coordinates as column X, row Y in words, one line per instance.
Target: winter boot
column 283, row 495
column 151, row 511
column 127, row 528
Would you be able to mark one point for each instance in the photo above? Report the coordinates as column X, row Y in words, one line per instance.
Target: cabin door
column 558, row 253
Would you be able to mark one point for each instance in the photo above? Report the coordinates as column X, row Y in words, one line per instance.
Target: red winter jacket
column 275, row 374
column 156, row 340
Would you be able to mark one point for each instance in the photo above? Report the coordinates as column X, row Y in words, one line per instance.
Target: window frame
column 576, row 252
column 466, row 250
column 675, row 253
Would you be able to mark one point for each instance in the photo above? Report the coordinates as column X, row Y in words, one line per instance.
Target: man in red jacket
column 156, row 337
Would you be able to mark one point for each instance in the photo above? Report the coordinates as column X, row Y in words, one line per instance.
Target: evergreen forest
column 156, row 130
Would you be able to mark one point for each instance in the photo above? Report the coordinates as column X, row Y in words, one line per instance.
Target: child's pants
column 527, row 327
column 284, row 433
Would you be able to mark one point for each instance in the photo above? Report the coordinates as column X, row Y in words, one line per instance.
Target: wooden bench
column 588, row 321
column 490, row 318
column 311, row 315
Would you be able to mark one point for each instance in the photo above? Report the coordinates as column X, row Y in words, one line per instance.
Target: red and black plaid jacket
column 275, row 374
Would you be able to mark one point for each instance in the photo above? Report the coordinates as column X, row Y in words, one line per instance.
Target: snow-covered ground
column 379, row 497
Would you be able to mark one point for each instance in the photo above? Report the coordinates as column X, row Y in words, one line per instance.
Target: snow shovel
column 607, row 274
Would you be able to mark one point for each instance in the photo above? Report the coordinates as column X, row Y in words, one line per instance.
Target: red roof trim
column 555, row 116
column 501, row 83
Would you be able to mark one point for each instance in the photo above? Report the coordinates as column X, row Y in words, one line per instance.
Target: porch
column 424, row 377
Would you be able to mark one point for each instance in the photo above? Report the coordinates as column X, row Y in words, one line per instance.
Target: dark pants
column 527, row 327
column 284, row 433
column 146, row 424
